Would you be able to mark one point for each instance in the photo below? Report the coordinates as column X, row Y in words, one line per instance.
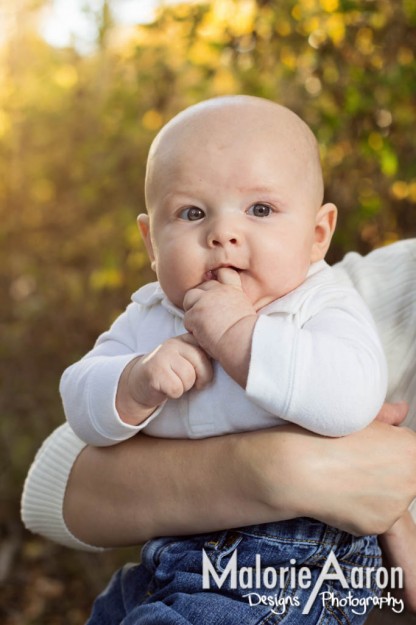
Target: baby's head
column 237, row 182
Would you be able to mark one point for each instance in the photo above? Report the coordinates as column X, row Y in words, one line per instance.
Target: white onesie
column 316, row 361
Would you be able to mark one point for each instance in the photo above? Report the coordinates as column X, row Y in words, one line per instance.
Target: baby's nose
column 223, row 234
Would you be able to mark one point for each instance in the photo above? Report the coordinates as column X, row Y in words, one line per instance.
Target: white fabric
column 316, row 361
column 386, row 280
column 45, row 485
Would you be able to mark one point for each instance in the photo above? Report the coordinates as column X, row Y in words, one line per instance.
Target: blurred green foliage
column 74, row 133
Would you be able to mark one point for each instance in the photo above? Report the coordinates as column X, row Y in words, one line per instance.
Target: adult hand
column 393, row 414
column 360, row 483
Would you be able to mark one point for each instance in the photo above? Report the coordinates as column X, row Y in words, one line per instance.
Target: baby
column 246, row 328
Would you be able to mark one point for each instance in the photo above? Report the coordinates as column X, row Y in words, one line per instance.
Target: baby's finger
column 188, row 338
column 201, row 363
column 190, row 299
column 204, row 371
column 193, row 295
column 227, row 275
column 183, row 377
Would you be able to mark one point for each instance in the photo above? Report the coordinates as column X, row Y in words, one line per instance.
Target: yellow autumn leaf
column 375, row 141
column 405, row 56
column 224, row 82
column 335, row 27
column 242, row 22
column 66, row 76
column 400, row 190
column 202, row 53
column 364, row 41
column 329, row 5
column 109, row 278
column 152, row 120
column 283, row 28
column 43, row 190
column 5, row 124
column 288, row 58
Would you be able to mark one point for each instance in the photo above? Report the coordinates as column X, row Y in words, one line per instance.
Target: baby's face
column 221, row 198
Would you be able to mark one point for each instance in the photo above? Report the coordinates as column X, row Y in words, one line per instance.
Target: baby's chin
column 176, row 298
column 260, row 301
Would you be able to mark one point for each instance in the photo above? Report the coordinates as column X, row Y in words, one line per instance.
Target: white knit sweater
column 386, row 280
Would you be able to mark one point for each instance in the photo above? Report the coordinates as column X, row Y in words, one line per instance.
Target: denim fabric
column 166, row 588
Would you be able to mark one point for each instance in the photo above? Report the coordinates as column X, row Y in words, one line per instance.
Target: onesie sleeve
column 327, row 374
column 45, row 486
column 88, row 388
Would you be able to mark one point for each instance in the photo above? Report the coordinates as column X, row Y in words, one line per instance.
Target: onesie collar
column 152, row 295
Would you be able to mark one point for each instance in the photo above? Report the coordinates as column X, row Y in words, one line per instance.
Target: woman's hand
column 361, row 483
column 399, row 549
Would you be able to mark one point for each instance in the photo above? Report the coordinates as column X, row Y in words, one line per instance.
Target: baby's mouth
column 212, row 274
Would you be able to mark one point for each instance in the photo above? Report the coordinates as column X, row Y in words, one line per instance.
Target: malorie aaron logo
column 272, row 578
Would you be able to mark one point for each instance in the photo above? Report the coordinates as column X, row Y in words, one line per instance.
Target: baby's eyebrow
column 257, row 189
column 182, row 195
column 264, row 192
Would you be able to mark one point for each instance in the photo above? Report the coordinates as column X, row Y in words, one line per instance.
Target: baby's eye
column 192, row 213
column 259, row 210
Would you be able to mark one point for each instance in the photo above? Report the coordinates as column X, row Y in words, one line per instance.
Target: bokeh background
column 75, row 125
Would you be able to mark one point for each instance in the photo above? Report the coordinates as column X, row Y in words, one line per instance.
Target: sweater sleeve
column 88, row 388
column 45, row 486
column 328, row 375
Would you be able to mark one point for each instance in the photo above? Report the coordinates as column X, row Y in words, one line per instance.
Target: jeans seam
column 336, row 617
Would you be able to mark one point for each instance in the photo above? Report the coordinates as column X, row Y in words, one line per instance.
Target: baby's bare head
column 245, row 125
column 235, row 181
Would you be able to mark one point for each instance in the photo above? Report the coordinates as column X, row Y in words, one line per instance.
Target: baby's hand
column 167, row 372
column 214, row 307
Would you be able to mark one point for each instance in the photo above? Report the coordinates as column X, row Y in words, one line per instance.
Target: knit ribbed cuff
column 45, row 485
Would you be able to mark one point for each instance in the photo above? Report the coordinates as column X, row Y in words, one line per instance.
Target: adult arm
column 188, row 486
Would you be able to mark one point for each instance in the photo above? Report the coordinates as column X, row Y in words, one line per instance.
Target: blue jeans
column 167, row 587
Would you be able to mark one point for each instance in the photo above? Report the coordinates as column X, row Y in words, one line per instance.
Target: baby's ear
column 143, row 223
column 326, row 220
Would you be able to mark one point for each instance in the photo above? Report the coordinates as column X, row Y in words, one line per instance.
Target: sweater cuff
column 45, row 486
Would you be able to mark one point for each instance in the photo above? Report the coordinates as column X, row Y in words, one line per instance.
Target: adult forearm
column 147, row 487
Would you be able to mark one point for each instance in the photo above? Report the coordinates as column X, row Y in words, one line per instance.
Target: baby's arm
column 109, row 394
column 399, row 548
column 326, row 373
column 222, row 319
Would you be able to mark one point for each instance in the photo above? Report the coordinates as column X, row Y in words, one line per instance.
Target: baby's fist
column 168, row 372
